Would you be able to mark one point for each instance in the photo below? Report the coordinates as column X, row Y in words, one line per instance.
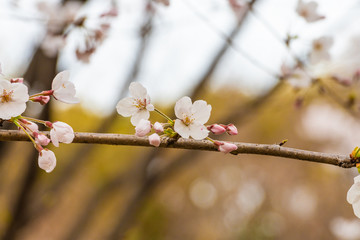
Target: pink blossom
column 63, row 89
column 217, row 129
column 13, row 98
column 158, row 127
column 154, row 139
column 143, row 128
column 191, row 118
column 47, row 160
column 308, row 11
column 231, row 129
column 320, row 49
column 137, row 106
column 226, row 147
column 61, row 132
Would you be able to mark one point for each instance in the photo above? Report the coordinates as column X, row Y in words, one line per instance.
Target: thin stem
column 35, row 120
column 22, row 128
column 210, row 139
column 164, row 115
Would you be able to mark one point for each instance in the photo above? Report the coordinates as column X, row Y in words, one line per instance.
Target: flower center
column 304, row 13
column 187, row 120
column 6, row 96
column 140, row 103
column 318, row 46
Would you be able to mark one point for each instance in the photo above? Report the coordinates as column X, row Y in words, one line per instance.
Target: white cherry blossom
column 137, row 106
column 13, row 98
column 353, row 196
column 64, row 90
column 191, row 118
column 47, row 160
column 61, row 132
column 308, row 11
column 320, row 49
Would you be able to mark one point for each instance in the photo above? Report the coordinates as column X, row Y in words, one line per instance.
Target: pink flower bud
column 154, row 139
column 143, row 128
column 41, row 99
column 47, row 160
column 41, row 139
column 61, row 132
column 17, row 80
column 216, row 129
column 231, row 129
column 226, row 147
column 158, row 127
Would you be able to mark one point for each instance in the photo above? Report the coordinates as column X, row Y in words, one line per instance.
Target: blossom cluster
column 13, row 98
column 64, row 21
column 190, row 121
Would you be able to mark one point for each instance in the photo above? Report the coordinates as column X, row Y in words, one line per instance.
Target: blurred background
column 239, row 56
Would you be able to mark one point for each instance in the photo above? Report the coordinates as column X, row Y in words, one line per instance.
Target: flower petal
column 353, row 195
column 140, row 114
column 182, row 129
column 125, row 107
column 54, row 138
column 137, row 90
column 201, row 111
column 183, row 107
column 356, row 208
column 198, row 131
column 59, row 79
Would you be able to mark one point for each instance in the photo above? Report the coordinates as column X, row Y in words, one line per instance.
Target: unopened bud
column 231, row 129
column 41, row 99
column 227, row 147
column 154, row 139
column 217, row 129
column 17, row 80
column 158, row 127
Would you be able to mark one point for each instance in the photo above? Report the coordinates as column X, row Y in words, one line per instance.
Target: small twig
column 205, row 145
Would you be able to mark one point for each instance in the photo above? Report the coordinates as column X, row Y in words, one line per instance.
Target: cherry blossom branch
column 204, row 145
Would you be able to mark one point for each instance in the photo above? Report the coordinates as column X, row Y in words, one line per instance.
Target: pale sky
column 181, row 45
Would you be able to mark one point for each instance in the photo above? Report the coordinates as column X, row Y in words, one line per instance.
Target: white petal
column 59, row 79
column 54, row 138
column 182, row 129
column 11, row 109
column 137, row 90
column 66, row 93
column 353, row 195
column 20, row 92
column 201, row 111
column 183, row 107
column 357, row 179
column 47, row 160
column 356, row 208
column 141, row 114
column 198, row 131
column 125, row 107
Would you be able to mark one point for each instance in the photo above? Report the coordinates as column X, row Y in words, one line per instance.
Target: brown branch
column 205, row 145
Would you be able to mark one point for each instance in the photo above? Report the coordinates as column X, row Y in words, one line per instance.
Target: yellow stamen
column 6, row 96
